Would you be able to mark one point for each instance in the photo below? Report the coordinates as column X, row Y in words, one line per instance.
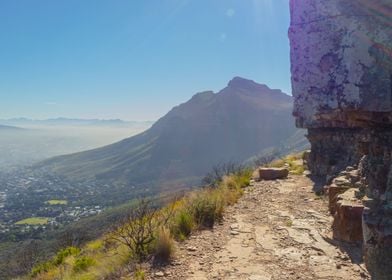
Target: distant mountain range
column 7, row 127
column 72, row 122
column 242, row 120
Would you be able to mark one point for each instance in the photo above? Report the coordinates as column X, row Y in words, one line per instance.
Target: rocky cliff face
column 341, row 54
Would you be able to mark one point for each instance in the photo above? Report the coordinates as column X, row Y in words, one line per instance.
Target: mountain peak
column 242, row 83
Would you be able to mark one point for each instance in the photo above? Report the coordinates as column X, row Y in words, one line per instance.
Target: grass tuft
column 183, row 224
column 164, row 246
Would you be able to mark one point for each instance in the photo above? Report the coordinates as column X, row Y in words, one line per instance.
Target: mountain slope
column 240, row 121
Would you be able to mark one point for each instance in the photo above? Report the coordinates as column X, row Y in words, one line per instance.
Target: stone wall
column 341, row 64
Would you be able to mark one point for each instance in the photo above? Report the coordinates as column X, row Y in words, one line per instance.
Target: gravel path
column 278, row 230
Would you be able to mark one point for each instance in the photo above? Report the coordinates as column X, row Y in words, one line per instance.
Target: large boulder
column 273, row 173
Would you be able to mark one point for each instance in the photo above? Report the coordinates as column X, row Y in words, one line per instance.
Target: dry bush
column 215, row 176
column 138, row 231
column 266, row 158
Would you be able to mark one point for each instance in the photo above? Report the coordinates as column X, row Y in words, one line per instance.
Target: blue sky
column 134, row 59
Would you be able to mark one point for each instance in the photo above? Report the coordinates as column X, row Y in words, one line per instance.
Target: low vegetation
column 218, row 172
column 55, row 261
column 33, row 221
column 293, row 162
column 57, row 202
column 147, row 234
column 83, row 263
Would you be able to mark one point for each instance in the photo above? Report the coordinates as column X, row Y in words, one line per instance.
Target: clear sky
column 134, row 59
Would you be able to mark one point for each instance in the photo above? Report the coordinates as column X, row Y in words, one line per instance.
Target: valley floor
column 278, row 230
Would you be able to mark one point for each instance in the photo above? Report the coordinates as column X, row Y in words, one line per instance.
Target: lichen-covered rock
column 341, row 62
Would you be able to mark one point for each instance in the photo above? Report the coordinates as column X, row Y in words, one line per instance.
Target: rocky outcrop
column 341, row 55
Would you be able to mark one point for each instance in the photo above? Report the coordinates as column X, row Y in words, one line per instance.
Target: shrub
column 138, row 231
column 265, row 159
column 291, row 162
column 206, row 208
column 229, row 195
column 297, row 170
column 62, row 254
column 139, row 274
column 277, row 163
column 95, row 245
column 164, row 246
column 215, row 176
column 41, row 268
column 55, row 261
column 183, row 224
column 82, row 263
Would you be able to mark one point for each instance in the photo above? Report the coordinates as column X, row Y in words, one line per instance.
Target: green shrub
column 164, row 246
column 82, row 263
column 297, row 169
column 55, row 261
column 243, row 178
column 63, row 254
column 183, row 224
column 291, row 162
column 206, row 209
column 139, row 274
column 41, row 268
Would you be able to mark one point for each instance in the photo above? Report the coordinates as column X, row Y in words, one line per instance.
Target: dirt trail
column 278, row 230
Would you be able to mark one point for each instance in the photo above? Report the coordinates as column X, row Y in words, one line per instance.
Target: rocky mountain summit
column 242, row 120
column 341, row 75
